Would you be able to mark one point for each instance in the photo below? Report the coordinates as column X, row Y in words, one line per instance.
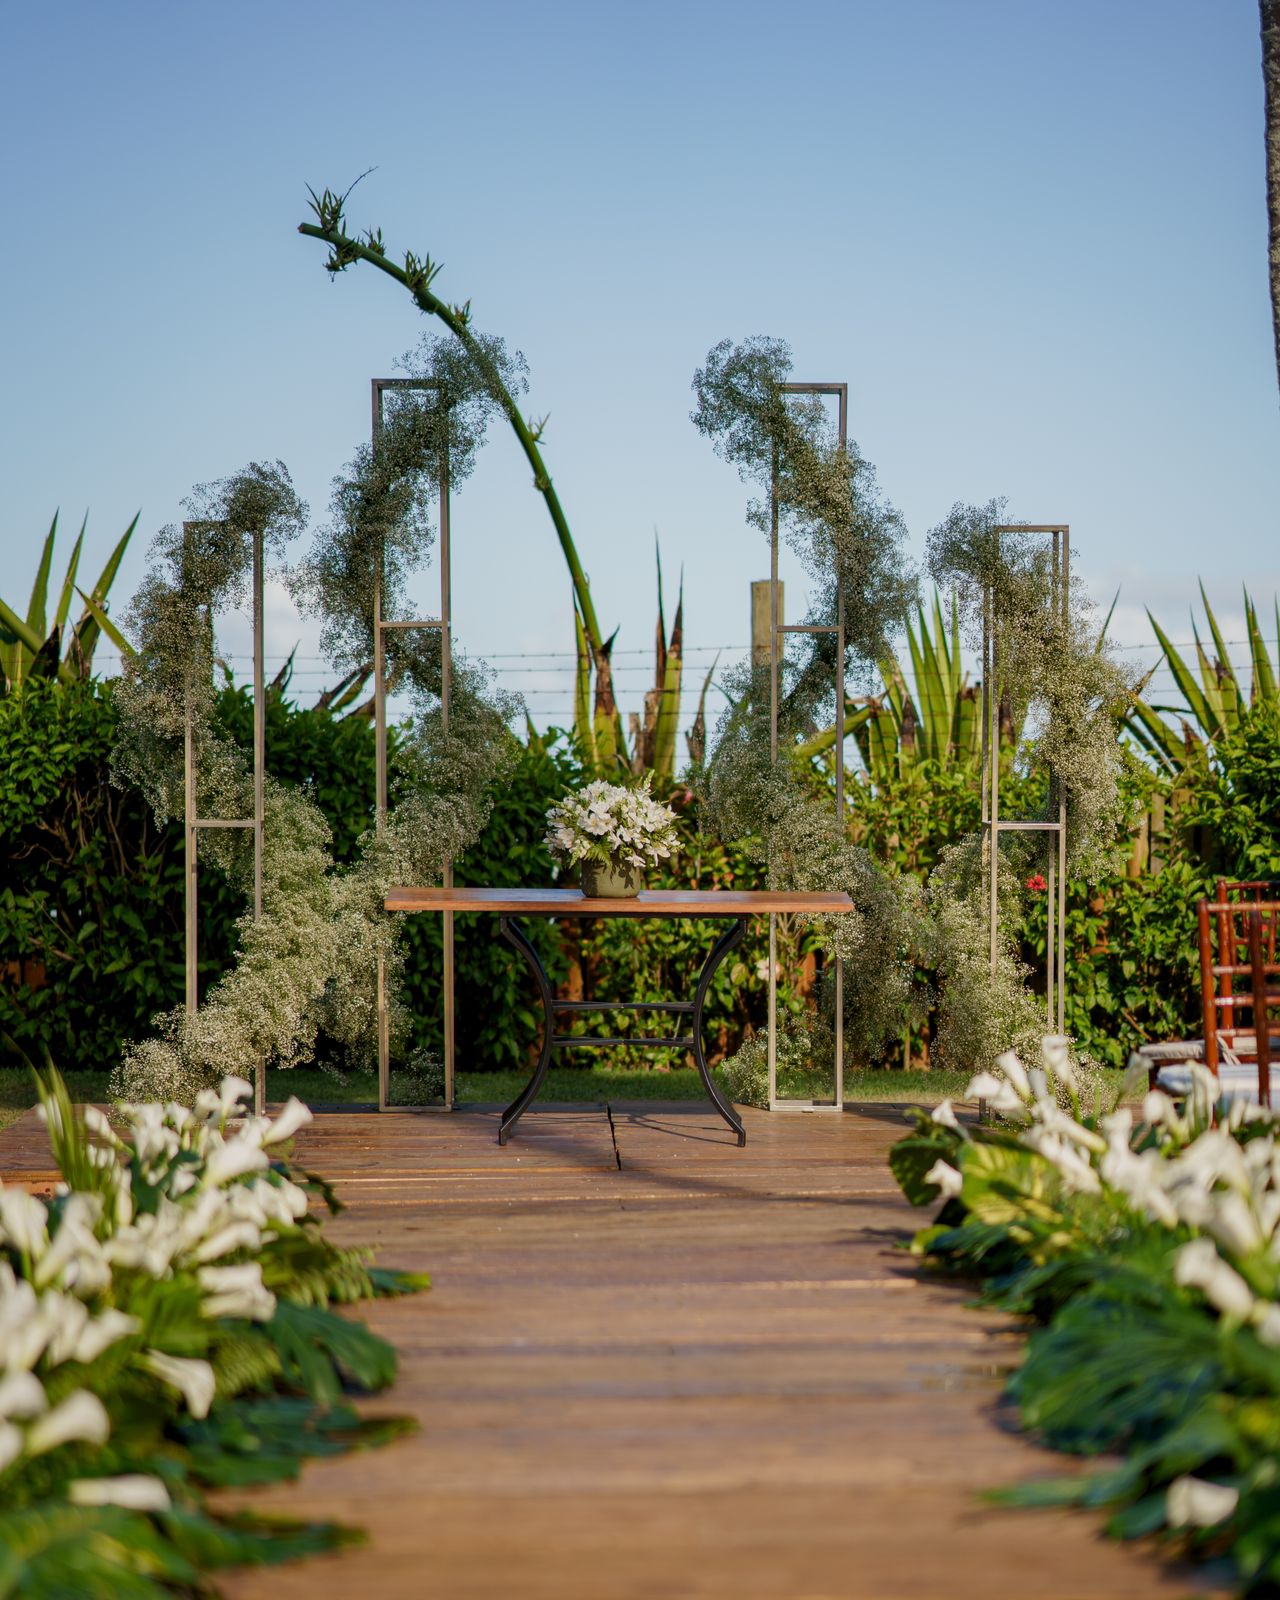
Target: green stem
column 352, row 249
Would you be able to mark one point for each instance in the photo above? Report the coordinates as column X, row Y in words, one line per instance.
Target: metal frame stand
column 444, row 626
column 193, row 822
column 992, row 822
column 778, row 629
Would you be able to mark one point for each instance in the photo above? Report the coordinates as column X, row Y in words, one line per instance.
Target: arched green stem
column 347, row 250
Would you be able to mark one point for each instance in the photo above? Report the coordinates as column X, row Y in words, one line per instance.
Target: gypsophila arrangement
column 1147, row 1241
column 308, row 964
column 166, row 1327
column 613, row 825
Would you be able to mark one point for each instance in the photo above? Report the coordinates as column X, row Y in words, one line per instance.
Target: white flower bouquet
column 614, row 832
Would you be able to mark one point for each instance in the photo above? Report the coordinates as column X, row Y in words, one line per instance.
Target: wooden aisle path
column 656, row 1367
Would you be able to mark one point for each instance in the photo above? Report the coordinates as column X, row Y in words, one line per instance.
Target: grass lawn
column 590, row 1084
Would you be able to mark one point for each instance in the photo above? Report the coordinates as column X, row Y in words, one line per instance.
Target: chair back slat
column 1236, row 934
column 1261, row 999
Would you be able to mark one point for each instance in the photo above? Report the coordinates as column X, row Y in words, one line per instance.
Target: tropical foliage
column 1148, row 1248
column 38, row 645
column 1214, row 700
column 893, row 733
column 168, row 1328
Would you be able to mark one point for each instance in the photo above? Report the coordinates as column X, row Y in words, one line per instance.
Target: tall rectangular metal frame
column 992, row 823
column 193, row 822
column 443, row 625
column 777, row 630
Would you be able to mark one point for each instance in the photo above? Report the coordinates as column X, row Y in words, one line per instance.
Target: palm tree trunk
column 1270, row 17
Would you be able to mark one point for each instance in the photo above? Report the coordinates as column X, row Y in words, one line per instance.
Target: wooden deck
column 655, row 1366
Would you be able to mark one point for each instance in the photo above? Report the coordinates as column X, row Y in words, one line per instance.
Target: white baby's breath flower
column 132, row 1491
column 1196, row 1503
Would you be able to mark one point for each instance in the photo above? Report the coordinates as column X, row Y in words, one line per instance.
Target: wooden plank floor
column 654, row 1366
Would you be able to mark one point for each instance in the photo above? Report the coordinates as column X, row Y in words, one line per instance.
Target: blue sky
column 1030, row 236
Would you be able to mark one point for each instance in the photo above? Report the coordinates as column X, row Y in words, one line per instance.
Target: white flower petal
column 80, row 1418
column 194, row 1380
column 132, row 1491
column 1195, row 1503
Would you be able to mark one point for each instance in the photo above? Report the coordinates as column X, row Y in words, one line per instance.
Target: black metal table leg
column 729, row 940
column 515, row 935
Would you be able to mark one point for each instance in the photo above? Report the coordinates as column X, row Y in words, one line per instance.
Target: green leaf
column 40, row 588
column 1187, row 685
column 68, row 583
column 95, row 610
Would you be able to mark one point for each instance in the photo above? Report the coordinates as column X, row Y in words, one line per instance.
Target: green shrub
column 91, row 890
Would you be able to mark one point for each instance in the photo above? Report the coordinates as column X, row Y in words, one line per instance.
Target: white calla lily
column 948, row 1180
column 79, row 1419
column 1199, row 1266
column 1196, row 1503
column 193, row 1379
column 22, row 1395
column 132, row 1491
column 294, row 1116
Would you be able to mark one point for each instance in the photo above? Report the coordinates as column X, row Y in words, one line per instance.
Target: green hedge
column 91, row 890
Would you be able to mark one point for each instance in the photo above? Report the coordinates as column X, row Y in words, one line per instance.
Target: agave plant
column 653, row 735
column 35, row 646
column 892, row 730
column 1214, row 701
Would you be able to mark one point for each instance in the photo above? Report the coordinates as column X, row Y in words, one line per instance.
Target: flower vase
column 610, row 882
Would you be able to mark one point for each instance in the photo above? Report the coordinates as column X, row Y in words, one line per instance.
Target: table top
column 648, row 903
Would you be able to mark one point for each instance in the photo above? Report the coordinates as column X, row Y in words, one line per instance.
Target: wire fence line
column 551, row 700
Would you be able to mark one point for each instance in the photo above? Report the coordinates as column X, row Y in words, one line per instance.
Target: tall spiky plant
column 35, row 646
column 940, row 722
column 1214, row 701
column 654, row 739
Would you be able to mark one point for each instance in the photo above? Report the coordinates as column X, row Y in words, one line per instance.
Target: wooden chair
column 1237, row 935
column 1176, row 1052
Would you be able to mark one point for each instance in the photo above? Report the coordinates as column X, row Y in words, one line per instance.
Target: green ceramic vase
column 611, row 882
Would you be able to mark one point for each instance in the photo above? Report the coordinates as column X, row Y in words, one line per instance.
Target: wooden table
column 737, row 905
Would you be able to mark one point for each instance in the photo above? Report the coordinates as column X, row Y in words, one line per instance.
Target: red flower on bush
column 1036, row 883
